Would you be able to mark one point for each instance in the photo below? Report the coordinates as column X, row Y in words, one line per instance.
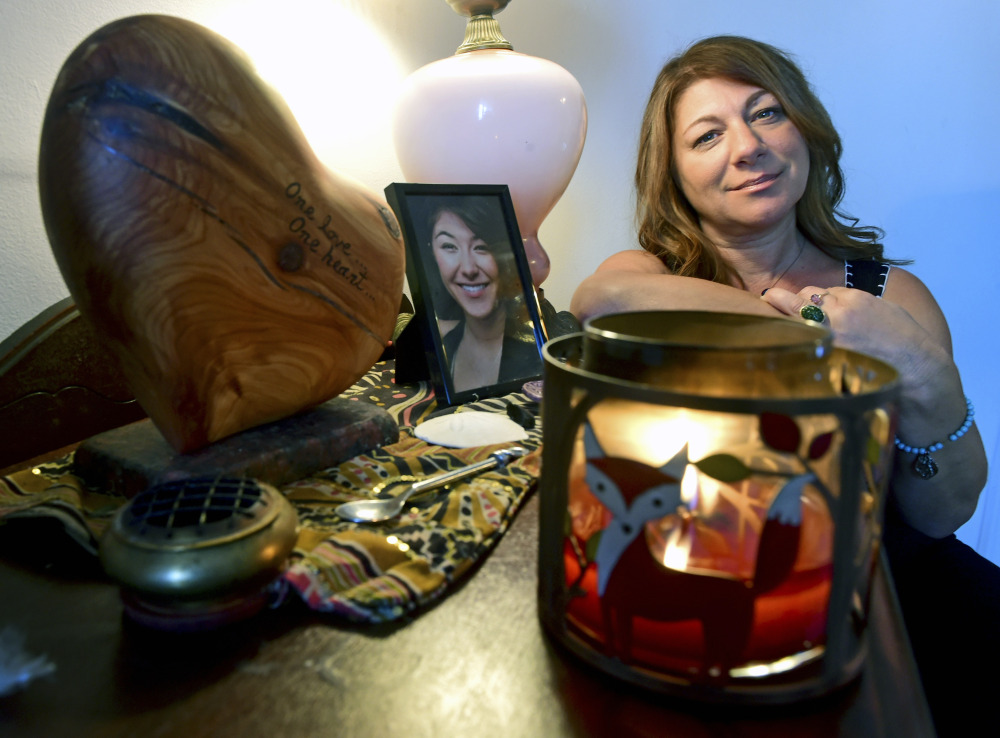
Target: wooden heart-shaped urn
column 237, row 280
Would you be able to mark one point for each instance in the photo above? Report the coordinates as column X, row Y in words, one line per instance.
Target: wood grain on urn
column 236, row 279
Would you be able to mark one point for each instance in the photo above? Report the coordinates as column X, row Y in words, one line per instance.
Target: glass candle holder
column 711, row 502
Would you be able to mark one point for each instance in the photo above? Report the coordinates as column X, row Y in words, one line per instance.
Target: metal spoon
column 375, row 511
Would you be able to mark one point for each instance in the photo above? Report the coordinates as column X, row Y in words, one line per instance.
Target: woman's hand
column 862, row 322
column 907, row 330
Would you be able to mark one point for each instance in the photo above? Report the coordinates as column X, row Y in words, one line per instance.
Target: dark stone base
column 132, row 458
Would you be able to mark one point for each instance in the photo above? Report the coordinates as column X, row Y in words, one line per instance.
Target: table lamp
column 490, row 115
column 712, row 496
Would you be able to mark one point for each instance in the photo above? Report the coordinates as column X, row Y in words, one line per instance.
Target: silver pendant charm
column 924, row 466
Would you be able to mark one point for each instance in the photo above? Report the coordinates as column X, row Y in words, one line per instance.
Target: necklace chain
column 802, row 247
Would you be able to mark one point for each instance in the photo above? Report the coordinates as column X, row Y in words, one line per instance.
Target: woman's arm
column 907, row 329
column 637, row 280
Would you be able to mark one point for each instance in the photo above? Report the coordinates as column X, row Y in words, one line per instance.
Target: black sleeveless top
column 866, row 275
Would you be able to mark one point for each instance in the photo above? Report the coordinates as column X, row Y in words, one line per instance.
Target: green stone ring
column 811, row 312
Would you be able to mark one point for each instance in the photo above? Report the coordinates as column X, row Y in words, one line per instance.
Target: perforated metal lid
column 196, row 512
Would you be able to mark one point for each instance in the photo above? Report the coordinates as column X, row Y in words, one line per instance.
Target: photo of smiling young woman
column 485, row 328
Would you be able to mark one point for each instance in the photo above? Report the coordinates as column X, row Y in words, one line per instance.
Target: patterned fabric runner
column 365, row 573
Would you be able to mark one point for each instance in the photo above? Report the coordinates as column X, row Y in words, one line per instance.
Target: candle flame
column 677, row 550
column 690, row 488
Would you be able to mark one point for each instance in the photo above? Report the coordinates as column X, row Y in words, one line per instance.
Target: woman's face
column 741, row 163
column 467, row 266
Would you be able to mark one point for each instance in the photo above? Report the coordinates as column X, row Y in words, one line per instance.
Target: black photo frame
column 458, row 283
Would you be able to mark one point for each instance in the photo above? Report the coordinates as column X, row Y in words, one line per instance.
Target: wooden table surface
column 476, row 664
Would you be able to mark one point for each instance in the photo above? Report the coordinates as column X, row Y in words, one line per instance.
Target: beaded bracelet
column 924, row 466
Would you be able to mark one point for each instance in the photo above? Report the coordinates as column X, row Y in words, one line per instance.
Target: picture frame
column 468, row 274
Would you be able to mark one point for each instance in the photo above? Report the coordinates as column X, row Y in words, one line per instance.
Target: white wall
column 912, row 87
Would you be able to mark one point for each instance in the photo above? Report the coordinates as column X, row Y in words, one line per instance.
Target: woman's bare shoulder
column 633, row 260
column 905, row 289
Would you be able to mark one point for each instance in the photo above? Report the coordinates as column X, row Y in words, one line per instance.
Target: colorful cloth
column 365, row 573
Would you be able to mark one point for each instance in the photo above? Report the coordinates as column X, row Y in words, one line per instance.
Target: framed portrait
column 475, row 307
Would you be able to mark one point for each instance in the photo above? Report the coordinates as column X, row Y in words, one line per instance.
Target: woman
column 738, row 184
column 478, row 302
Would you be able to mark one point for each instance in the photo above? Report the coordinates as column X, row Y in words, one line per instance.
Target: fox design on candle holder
column 632, row 583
